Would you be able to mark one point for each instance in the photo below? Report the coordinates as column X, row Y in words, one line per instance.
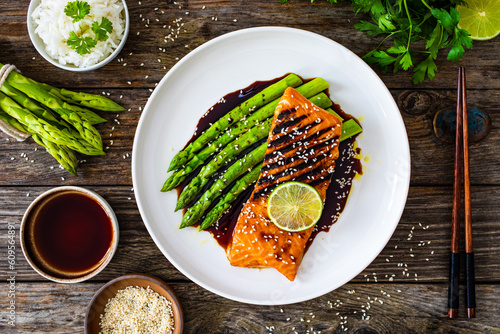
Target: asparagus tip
column 167, row 186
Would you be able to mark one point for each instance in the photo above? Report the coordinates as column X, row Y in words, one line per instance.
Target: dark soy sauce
column 347, row 165
column 72, row 233
column 346, row 168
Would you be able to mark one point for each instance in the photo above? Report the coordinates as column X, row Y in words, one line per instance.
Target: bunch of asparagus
column 57, row 119
column 213, row 154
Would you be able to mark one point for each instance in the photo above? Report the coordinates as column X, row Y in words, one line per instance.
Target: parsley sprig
column 403, row 24
column 102, row 29
column 77, row 10
column 81, row 45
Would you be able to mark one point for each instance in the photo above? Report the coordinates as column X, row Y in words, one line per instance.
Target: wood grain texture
column 204, row 20
column 431, row 163
column 417, row 252
column 353, row 308
column 403, row 290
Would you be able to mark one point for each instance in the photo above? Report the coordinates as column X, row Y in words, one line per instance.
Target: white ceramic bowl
column 28, row 236
column 40, row 45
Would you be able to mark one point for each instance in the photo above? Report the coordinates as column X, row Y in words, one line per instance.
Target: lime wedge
column 294, row 206
column 481, row 18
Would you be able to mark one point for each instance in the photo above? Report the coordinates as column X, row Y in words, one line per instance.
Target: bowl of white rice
column 52, row 29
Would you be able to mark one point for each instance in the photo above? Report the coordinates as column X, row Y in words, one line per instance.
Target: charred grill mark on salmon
column 295, row 171
column 296, row 145
column 285, row 126
column 285, row 114
column 313, row 176
column 292, row 161
column 294, row 139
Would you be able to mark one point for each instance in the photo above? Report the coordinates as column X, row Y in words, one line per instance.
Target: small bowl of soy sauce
column 69, row 234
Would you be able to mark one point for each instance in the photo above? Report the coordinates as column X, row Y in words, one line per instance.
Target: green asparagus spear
column 225, row 202
column 42, row 111
column 86, row 114
column 25, row 102
column 308, row 89
column 38, row 110
column 194, row 213
column 265, row 96
column 62, row 154
column 84, row 99
column 46, row 130
column 35, row 91
column 21, row 130
column 352, row 128
column 231, row 151
column 199, row 158
column 349, row 129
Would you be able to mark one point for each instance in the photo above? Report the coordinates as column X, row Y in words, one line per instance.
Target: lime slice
column 294, row 206
column 481, row 18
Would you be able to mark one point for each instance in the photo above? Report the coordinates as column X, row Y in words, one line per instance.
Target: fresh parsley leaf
column 385, row 24
column 408, row 23
column 461, row 37
column 406, row 60
column 374, row 7
column 77, row 10
column 447, row 19
column 101, row 30
column 435, row 40
column 426, row 66
column 81, row 45
column 380, row 58
column 370, row 28
column 397, row 49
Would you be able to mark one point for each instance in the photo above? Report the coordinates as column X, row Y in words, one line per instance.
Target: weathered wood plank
column 402, row 291
column 204, row 20
column 353, row 308
column 417, row 252
column 432, row 159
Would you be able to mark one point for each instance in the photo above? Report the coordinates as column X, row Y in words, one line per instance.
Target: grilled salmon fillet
column 302, row 146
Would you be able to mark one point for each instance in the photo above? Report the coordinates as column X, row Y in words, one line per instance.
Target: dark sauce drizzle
column 347, row 166
column 229, row 102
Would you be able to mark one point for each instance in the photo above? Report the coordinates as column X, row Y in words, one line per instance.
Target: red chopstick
column 461, row 147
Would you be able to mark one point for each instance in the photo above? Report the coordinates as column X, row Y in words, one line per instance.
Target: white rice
column 54, row 26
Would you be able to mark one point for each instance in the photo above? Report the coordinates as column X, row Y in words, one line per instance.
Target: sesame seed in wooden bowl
column 111, row 306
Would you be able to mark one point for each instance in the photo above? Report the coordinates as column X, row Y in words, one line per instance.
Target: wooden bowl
column 101, row 297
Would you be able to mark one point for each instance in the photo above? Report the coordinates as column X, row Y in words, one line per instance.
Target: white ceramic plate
column 234, row 61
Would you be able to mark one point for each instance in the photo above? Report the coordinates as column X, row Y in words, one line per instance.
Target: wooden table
column 403, row 291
